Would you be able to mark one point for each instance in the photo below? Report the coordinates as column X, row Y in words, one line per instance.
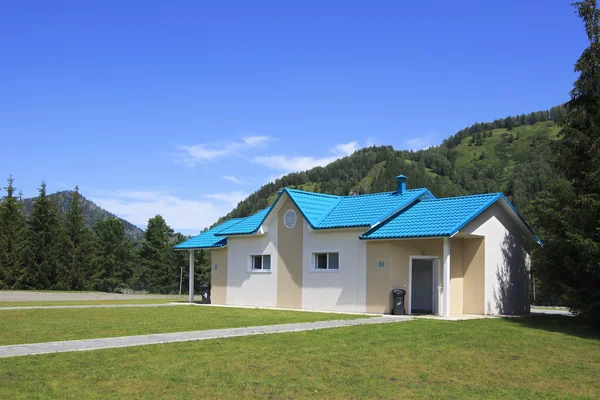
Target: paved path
column 142, row 340
column 93, row 306
column 32, row 295
column 552, row 312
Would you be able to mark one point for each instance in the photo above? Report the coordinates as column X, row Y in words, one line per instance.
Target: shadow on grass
column 567, row 325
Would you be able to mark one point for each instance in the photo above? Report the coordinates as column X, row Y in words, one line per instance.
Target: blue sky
column 182, row 108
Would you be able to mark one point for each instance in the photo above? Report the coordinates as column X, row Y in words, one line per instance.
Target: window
column 260, row 262
column 326, row 261
column 290, row 218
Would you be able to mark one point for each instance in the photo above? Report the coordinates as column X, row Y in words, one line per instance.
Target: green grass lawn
column 534, row 357
column 33, row 326
column 87, row 302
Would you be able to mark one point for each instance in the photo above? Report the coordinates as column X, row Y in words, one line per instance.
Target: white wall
column 506, row 261
column 252, row 288
column 343, row 290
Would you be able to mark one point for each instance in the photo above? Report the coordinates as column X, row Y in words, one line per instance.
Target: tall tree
column 113, row 256
column 569, row 212
column 40, row 258
column 78, row 249
column 160, row 271
column 12, row 235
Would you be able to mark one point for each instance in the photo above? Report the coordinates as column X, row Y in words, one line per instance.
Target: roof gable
column 442, row 217
column 207, row 239
column 433, row 218
column 247, row 225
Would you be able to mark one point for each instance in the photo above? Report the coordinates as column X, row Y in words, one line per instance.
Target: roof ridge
column 464, row 197
column 380, row 193
column 313, row 193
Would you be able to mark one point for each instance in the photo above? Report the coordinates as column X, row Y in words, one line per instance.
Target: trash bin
column 205, row 292
column 398, row 301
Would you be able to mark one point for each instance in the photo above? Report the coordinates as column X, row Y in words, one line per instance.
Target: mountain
column 92, row 212
column 510, row 155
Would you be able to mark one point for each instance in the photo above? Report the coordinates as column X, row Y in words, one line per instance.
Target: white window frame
column 262, row 263
column 313, row 261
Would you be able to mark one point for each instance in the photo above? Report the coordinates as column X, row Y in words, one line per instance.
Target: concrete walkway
column 93, row 306
column 142, row 340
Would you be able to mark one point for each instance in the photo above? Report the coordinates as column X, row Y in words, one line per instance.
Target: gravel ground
column 30, row 295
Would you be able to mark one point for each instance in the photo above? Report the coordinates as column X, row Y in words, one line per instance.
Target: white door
column 437, row 287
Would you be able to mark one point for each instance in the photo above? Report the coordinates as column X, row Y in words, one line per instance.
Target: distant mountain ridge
column 510, row 155
column 92, row 212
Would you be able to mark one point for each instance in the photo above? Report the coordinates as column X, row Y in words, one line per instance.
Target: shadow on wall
column 512, row 278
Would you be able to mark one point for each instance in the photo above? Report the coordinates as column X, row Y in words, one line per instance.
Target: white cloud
column 188, row 216
column 233, row 179
column 346, row 148
column 421, row 142
column 286, row 164
column 192, row 154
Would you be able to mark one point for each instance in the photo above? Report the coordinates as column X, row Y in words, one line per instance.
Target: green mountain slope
column 510, row 155
column 92, row 212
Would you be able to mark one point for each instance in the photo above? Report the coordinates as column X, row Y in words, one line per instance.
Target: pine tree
column 569, row 212
column 157, row 259
column 12, row 235
column 40, row 258
column 78, row 247
column 113, row 256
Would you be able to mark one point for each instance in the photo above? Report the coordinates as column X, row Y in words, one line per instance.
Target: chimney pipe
column 401, row 184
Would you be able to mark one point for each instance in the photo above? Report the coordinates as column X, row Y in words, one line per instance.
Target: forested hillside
column 510, row 155
column 92, row 213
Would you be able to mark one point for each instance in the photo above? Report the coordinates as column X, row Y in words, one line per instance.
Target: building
column 457, row 255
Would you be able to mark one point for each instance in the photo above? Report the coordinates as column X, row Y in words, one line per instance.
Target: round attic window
column 290, row 218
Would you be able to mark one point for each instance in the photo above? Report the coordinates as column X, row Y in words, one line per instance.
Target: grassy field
column 86, row 302
column 34, row 326
column 534, row 357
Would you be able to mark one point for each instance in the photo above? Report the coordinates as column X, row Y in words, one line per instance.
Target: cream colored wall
column 341, row 290
column 252, row 288
column 218, row 276
column 290, row 242
column 506, row 261
column 395, row 273
column 474, row 277
column 378, row 278
column 456, row 275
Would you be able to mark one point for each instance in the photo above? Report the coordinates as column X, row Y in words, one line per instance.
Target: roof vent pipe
column 401, row 181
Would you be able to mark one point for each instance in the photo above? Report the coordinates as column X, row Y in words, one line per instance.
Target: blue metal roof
column 245, row 226
column 207, row 239
column 366, row 210
column 433, row 218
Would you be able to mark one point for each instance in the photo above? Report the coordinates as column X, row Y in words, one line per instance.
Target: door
column 437, row 288
column 422, row 293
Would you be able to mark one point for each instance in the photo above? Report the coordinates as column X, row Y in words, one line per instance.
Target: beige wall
column 378, row 279
column 474, row 284
column 395, row 274
column 289, row 274
column 456, row 275
column 218, row 276
column 396, row 257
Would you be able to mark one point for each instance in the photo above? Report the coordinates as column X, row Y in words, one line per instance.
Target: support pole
column 446, row 277
column 191, row 289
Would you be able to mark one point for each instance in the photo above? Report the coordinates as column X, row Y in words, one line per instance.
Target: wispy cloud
column 285, row 163
column 233, row 179
column 420, row 142
column 186, row 215
column 192, row 154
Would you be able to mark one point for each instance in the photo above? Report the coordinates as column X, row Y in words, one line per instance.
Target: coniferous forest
column 46, row 249
column 546, row 162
